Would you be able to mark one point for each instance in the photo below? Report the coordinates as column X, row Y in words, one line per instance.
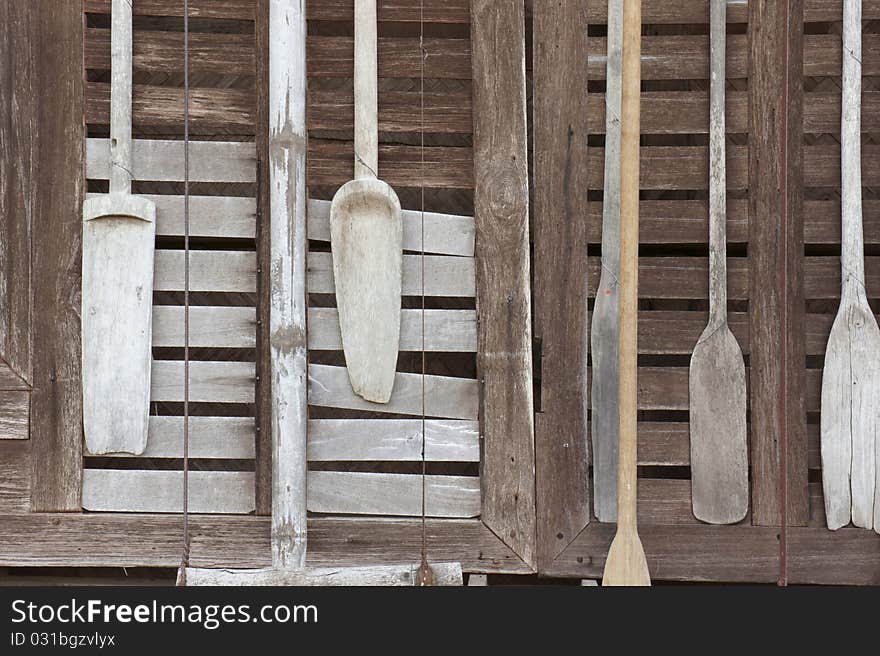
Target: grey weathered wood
column 367, row 493
column 717, row 381
column 445, row 234
column 444, row 276
column 209, row 437
column 444, row 330
column 217, row 327
column 379, row 575
column 209, row 271
column 478, row 580
column 14, row 414
column 367, row 236
column 162, row 161
column 850, row 417
column 339, row 440
column 132, row 490
column 446, row 397
column 209, row 382
column 604, row 332
column 117, row 280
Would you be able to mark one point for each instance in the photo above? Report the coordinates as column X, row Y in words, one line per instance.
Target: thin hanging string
column 185, row 290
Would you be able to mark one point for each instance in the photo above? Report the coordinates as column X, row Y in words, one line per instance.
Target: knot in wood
column 506, row 190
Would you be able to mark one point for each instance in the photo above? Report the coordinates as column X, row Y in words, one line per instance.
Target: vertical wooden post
column 501, row 206
column 56, row 401
column 560, row 235
column 263, row 409
column 776, row 333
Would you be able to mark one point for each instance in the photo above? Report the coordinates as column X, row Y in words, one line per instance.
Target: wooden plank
column 501, row 211
column 447, row 574
column 445, row 234
column 681, row 553
column 132, row 490
column 444, row 275
column 333, row 56
column 209, row 382
column 226, row 110
column 19, row 134
column 664, row 443
column 364, row 493
column 821, row 11
column 56, row 401
column 15, row 477
column 818, row 328
column 10, row 380
column 682, row 277
column 671, row 333
column 228, row 9
column 209, row 271
column 404, row 11
column 849, row 556
column 822, row 112
column 209, row 437
column 822, row 277
column 822, row 221
column 560, row 234
column 822, row 166
column 445, row 397
column 217, row 327
column 393, row 440
column 778, row 449
column 129, row 540
column 444, row 330
column 822, row 54
column 162, row 161
column 14, row 414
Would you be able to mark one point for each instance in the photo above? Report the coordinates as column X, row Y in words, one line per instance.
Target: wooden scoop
column 117, row 281
column 626, row 564
column 719, row 443
column 850, row 419
column 366, row 236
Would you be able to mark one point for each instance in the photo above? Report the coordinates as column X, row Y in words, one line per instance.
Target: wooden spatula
column 719, row 444
column 850, row 420
column 626, row 564
column 366, row 237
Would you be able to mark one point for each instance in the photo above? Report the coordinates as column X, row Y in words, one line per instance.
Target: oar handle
column 366, row 125
column 717, row 167
column 120, row 98
column 629, row 263
column 852, row 236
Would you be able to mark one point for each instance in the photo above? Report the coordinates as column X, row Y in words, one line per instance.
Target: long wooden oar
column 117, row 280
column 604, row 329
column 366, row 237
column 850, row 420
column 719, row 444
column 626, row 564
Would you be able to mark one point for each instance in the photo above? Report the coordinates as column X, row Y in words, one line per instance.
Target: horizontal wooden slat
column 820, row 11
column 444, row 397
column 162, row 160
column 818, row 329
column 444, row 234
column 822, row 277
column 209, row 271
column 665, row 501
column 408, row 11
column 822, row 165
column 822, row 112
column 225, row 110
column 677, row 221
column 444, row 275
column 676, row 167
column 209, row 437
column 361, row 493
column 229, row 9
column 209, row 382
column 675, row 112
column 219, row 327
column 680, row 277
column 14, row 414
column 822, row 54
column 209, row 216
column 10, row 379
column 822, row 220
column 670, row 333
column 132, row 490
column 664, row 443
column 16, row 470
column 444, row 330
column 333, row 56
column 393, row 440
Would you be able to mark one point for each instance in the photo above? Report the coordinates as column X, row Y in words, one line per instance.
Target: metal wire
column 185, row 559
column 424, row 564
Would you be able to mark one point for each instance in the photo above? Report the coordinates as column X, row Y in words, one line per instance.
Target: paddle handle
column 717, row 167
column 852, row 237
column 629, row 264
column 366, row 121
column 120, row 98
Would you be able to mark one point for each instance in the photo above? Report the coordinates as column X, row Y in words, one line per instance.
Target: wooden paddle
column 366, row 236
column 719, row 443
column 119, row 233
column 604, row 329
column 850, row 419
column 626, row 564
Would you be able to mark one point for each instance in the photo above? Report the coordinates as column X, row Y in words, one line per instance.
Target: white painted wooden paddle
column 717, row 382
column 366, row 237
column 626, row 563
column 850, row 418
column 117, row 280
column 604, row 330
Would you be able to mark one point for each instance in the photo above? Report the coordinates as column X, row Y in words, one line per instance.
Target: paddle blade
column 626, row 564
column 719, row 441
column 604, row 338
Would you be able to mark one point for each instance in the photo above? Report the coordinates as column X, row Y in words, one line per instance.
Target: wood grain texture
column 378, row 575
column 218, row 327
column 560, row 276
column 56, row 401
column 19, row 135
column 228, row 9
column 775, row 247
column 209, row 438
column 501, row 202
column 14, row 414
column 15, row 477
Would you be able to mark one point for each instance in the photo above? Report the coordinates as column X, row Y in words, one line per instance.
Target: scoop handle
column 120, row 98
column 366, row 123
